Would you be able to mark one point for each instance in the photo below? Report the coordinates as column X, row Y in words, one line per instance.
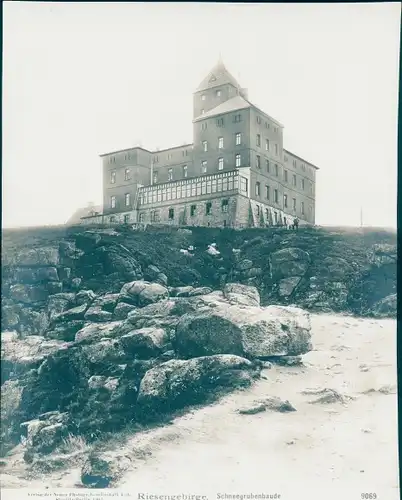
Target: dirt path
column 351, row 445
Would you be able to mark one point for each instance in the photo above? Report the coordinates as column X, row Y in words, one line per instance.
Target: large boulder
column 289, row 262
column 142, row 293
column 178, row 383
column 243, row 330
column 29, row 275
column 276, row 331
column 32, row 257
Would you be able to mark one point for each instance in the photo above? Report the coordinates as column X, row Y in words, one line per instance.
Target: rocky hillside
column 110, row 328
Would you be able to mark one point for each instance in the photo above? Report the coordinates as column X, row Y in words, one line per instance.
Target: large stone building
column 236, row 173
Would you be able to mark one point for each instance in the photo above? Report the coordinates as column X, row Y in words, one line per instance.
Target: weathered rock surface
column 178, row 383
column 289, row 262
column 19, row 355
column 250, row 331
column 145, row 343
column 142, row 293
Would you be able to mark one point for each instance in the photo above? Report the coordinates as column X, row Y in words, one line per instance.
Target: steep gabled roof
column 233, row 104
column 218, row 75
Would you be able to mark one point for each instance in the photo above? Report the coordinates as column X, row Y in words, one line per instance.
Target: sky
column 82, row 79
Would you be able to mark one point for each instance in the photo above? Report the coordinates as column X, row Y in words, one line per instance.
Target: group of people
column 293, row 226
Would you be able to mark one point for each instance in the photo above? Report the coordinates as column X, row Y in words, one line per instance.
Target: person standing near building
column 296, row 223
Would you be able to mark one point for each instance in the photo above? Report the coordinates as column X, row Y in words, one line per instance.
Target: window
column 294, row 204
column 276, row 198
column 127, row 199
column 258, row 140
column 258, row 209
column 238, row 139
column 294, row 180
column 243, row 184
column 112, row 159
column 185, row 171
column 266, row 144
column 204, row 167
column 208, row 208
column 170, row 174
column 218, row 93
column 205, row 146
column 285, row 158
column 219, row 122
column 142, row 217
column 203, row 97
column 127, row 174
column 276, row 149
column 257, row 189
column 112, row 219
column 276, row 170
column 126, row 218
column 294, row 163
column 220, row 143
column 203, row 126
column 267, row 193
column 258, row 119
column 225, row 205
column 267, row 214
column 303, row 166
column 258, row 161
column 113, row 202
column 171, row 213
column 238, row 160
column 155, row 216
column 220, row 163
column 267, row 165
column 276, row 217
column 193, row 208
column 237, row 118
column 169, row 156
column 113, row 177
column 285, row 200
column 266, row 125
column 302, row 184
column 155, row 177
column 285, row 174
column 156, row 159
column 302, row 207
